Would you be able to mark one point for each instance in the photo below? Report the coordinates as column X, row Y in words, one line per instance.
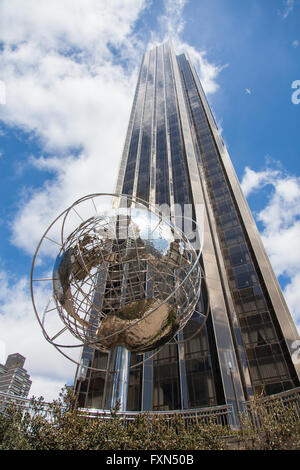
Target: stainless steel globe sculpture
column 124, row 276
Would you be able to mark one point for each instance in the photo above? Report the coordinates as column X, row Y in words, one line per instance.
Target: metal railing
column 23, row 404
column 219, row 414
column 222, row 414
column 289, row 397
column 257, row 410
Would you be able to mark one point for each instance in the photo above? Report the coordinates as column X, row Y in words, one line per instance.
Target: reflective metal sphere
column 128, row 278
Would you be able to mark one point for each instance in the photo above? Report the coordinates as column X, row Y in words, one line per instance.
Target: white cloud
column 2, row 92
column 287, row 9
column 172, row 23
column 84, row 24
column 171, row 26
column 254, row 180
column 292, row 294
column 280, row 219
column 45, row 387
column 296, row 43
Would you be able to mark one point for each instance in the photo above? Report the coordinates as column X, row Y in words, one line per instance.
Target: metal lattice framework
column 125, row 276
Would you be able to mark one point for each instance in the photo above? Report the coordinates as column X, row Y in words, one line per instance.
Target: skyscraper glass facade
column 174, row 156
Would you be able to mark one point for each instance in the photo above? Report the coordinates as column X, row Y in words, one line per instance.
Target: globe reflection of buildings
column 175, row 155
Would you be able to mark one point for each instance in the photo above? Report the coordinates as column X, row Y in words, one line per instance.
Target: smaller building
column 14, row 379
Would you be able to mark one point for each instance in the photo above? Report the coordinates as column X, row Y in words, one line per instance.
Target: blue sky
column 69, row 70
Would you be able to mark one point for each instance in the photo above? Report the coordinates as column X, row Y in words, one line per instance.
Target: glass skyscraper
column 175, row 155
